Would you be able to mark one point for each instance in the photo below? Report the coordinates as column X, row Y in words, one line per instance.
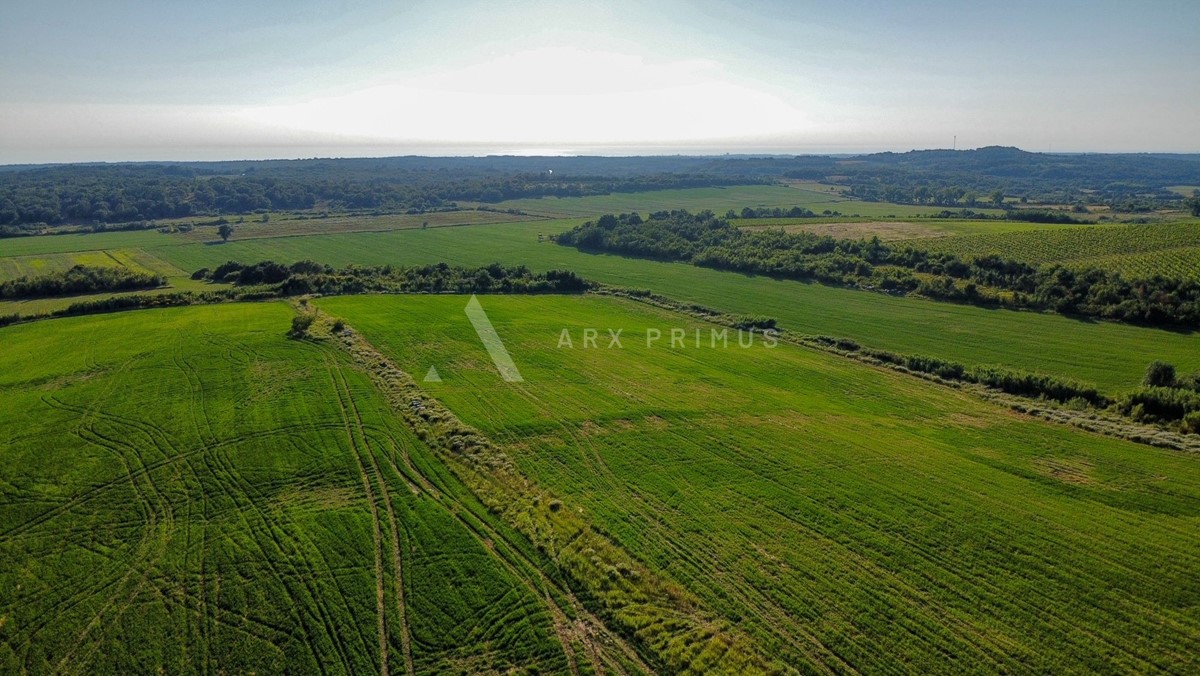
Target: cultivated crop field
column 848, row 518
column 137, row 260
column 1181, row 263
column 1112, row 356
column 287, row 225
column 889, row 231
column 719, row 200
column 215, row 497
column 1133, row 250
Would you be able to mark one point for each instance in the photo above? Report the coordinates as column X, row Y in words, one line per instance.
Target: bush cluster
column 1165, row 398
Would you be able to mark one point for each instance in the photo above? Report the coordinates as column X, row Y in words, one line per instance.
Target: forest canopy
column 125, row 193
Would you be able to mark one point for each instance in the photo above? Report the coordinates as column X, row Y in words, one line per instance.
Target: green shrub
column 1160, row 404
column 1034, row 385
column 1191, row 423
column 747, row 322
column 1159, row 374
column 300, row 325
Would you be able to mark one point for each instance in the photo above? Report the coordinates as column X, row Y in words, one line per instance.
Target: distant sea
column 247, row 152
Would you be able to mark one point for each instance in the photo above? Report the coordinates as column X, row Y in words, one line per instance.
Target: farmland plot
column 214, row 497
column 848, row 518
column 1170, row 249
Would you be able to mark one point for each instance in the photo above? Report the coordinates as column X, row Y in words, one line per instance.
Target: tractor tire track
column 377, row 530
column 488, row 534
column 405, row 637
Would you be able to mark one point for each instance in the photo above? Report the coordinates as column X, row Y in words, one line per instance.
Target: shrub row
column 79, row 279
column 308, row 277
column 1163, row 404
column 1011, row 381
column 705, row 240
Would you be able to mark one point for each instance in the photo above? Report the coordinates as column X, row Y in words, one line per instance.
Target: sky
column 117, row 80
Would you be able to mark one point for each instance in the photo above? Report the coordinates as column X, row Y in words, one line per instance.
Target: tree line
column 1050, row 216
column 750, row 213
column 708, row 241
column 309, row 277
column 79, row 279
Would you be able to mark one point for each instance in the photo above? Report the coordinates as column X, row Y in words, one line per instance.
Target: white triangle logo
column 432, row 375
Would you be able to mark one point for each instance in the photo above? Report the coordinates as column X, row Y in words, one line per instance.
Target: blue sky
column 110, row 80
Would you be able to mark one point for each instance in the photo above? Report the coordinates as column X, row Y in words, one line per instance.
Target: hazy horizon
column 118, row 81
column 351, row 153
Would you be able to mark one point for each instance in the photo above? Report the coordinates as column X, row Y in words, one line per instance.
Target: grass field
column 137, row 260
column 31, row 266
column 74, row 243
column 718, row 200
column 186, row 490
column 1112, row 356
column 1133, row 250
column 286, row 225
column 849, row 518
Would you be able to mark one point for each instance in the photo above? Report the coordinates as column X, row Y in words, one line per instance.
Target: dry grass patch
column 1072, row 471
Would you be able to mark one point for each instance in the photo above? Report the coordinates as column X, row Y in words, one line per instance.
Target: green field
column 1171, row 249
column 99, row 241
column 719, row 200
column 892, row 230
column 849, row 518
column 1110, row 355
column 12, row 267
column 286, row 225
column 132, row 259
column 187, row 490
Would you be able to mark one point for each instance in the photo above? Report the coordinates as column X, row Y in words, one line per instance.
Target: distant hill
column 1007, row 162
